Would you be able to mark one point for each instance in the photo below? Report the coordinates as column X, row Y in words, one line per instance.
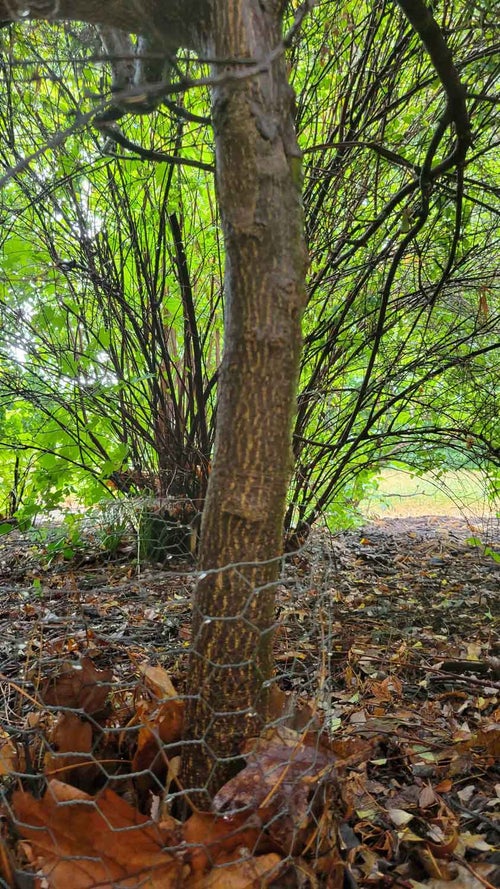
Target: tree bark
column 258, row 186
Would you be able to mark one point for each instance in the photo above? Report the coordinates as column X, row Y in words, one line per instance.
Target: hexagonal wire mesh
column 95, row 673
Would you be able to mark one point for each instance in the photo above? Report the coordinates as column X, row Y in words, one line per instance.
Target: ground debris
column 380, row 770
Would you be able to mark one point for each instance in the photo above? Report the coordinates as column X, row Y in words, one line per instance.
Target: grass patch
column 400, row 494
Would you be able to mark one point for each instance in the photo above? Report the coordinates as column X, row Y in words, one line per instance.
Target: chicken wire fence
column 96, row 638
column 95, row 645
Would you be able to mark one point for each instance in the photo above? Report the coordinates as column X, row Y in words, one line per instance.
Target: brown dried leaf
column 386, row 689
column 212, row 836
column 79, row 686
column 71, row 736
column 162, row 724
column 6, row 866
column 80, row 841
column 9, row 761
column 286, row 776
column 427, row 797
column 489, row 738
column 158, row 681
column 399, row 817
column 249, row 873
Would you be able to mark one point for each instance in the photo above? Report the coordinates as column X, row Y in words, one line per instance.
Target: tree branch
column 423, row 22
column 175, row 22
column 116, row 135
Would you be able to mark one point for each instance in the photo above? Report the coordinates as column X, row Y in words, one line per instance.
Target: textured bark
column 259, row 199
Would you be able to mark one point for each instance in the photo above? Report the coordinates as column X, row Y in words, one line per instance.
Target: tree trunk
column 258, row 183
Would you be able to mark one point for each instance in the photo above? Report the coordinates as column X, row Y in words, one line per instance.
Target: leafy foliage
column 111, row 289
column 403, row 308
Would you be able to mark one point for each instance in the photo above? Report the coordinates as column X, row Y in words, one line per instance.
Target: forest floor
column 387, row 652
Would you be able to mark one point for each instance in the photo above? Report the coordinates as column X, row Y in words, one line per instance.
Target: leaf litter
column 381, row 766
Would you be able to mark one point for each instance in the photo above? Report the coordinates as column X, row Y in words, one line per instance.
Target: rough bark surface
column 259, row 198
column 177, row 22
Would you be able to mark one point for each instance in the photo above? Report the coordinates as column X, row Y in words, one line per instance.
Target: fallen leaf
column 445, row 786
column 70, row 753
column 158, row 681
column 250, row 873
column 287, row 777
column 78, row 686
column 211, row 836
column 427, row 797
column 399, row 817
column 489, row 738
column 8, row 758
column 475, row 841
column 80, row 841
column 160, row 726
column 385, row 690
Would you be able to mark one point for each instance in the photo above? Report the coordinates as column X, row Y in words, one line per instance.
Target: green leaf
column 48, row 461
